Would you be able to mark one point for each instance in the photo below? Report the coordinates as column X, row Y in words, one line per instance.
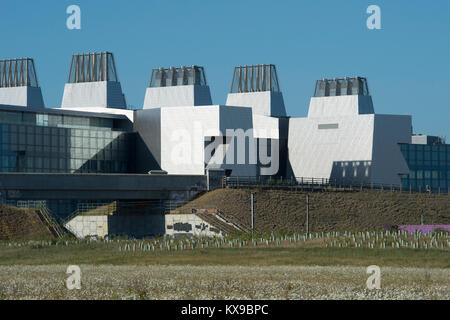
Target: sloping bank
column 22, row 223
column 337, row 210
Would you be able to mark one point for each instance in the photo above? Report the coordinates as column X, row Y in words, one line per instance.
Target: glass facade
column 62, row 143
column 429, row 166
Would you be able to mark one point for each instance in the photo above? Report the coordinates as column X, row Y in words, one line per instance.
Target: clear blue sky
column 407, row 63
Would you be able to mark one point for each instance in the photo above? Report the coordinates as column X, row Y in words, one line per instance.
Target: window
column 328, row 126
column 419, row 174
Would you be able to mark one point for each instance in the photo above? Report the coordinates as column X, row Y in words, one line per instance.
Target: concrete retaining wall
column 189, row 225
column 83, row 226
column 126, row 225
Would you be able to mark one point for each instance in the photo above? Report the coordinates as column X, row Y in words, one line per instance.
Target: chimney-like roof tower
column 19, row 85
column 93, row 82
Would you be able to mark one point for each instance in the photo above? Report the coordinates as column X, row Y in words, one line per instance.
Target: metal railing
column 48, row 217
column 232, row 220
column 51, row 221
column 164, row 206
column 322, row 184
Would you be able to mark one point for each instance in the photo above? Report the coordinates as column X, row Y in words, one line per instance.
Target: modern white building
column 94, row 150
column 186, row 133
column 181, row 131
column 343, row 139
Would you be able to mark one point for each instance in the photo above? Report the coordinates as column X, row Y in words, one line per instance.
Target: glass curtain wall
column 429, row 166
column 33, row 142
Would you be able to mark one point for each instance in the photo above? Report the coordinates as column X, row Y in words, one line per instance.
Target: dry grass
column 329, row 211
column 21, row 223
column 222, row 282
column 108, row 253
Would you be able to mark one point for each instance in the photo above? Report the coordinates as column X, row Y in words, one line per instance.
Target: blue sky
column 407, row 62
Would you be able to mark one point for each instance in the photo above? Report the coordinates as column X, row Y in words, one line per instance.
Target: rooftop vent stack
column 341, row 87
column 257, row 86
column 337, row 97
column 182, row 86
column 93, row 82
column 19, row 84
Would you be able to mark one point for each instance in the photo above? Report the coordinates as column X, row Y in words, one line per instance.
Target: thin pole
column 253, row 209
column 307, row 214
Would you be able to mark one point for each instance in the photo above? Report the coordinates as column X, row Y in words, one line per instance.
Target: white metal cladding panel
column 86, row 94
column 22, row 96
column 312, row 151
column 183, row 132
column 340, row 106
column 176, row 96
column 265, row 103
column 388, row 161
column 93, row 94
column 16, row 96
column 266, row 127
column 128, row 113
column 182, row 137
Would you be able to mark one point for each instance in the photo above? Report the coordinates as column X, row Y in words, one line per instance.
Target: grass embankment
column 22, row 224
column 285, row 210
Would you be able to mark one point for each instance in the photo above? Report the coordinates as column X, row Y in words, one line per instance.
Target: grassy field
column 262, row 265
column 222, row 282
column 108, row 253
column 278, row 267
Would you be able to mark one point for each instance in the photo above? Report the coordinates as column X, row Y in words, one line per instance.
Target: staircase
column 219, row 220
column 216, row 222
column 233, row 221
column 47, row 218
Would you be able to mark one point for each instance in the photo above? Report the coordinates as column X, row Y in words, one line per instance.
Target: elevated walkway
column 90, row 186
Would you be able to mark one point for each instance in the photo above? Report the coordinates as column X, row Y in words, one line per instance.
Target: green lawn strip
column 101, row 254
